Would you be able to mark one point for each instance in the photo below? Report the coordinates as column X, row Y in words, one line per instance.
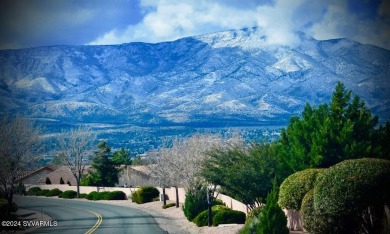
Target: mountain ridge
column 234, row 77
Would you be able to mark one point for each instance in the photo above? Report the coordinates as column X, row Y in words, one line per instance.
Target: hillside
column 224, row 79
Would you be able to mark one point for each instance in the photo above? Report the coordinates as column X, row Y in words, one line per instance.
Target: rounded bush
column 34, row 191
column 53, row 192
column 295, row 187
column 351, row 186
column 43, row 192
column 68, row 194
column 145, row 194
column 93, row 195
column 103, row 195
column 83, row 195
column 312, row 221
column 116, row 195
column 226, row 216
column 135, row 197
column 202, row 218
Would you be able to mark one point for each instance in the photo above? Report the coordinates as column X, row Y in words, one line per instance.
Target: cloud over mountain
column 226, row 78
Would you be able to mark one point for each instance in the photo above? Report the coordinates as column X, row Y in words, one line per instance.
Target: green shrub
column 93, row 196
column 43, row 192
column 354, row 191
column 116, row 195
column 202, row 218
column 219, row 207
column 135, row 197
column 226, row 216
column 48, row 181
column 34, row 191
column 87, row 180
column 83, row 195
column 272, row 218
column 218, row 202
column 68, row 194
column 53, row 192
column 352, row 185
column 294, row 188
column 103, row 195
column 250, row 226
column 145, row 194
column 169, row 205
column 254, row 213
column 195, row 202
column 314, row 222
column 252, row 221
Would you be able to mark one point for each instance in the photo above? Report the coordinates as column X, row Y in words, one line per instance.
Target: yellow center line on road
column 97, row 224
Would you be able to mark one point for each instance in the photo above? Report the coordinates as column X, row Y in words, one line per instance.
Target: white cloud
column 338, row 22
column 176, row 19
column 170, row 20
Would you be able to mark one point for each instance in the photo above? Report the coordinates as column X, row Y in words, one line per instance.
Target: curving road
column 76, row 216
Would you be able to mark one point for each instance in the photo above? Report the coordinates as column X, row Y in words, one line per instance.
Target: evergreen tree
column 137, row 161
column 121, row 157
column 326, row 135
column 381, row 142
column 272, row 219
column 104, row 172
column 48, row 181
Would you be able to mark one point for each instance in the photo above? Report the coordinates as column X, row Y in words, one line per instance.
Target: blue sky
column 30, row 23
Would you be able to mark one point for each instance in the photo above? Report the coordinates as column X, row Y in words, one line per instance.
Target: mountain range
column 227, row 78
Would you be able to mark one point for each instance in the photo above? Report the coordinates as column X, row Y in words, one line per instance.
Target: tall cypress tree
column 104, row 171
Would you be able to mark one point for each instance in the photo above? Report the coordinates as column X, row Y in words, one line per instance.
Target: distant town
column 144, row 142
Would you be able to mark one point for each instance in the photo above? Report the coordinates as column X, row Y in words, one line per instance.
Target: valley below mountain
column 219, row 80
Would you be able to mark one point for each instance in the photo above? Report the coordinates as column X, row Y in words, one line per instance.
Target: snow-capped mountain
column 229, row 78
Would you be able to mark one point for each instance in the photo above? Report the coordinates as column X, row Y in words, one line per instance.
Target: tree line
column 320, row 137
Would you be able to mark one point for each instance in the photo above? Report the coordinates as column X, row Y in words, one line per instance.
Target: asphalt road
column 75, row 216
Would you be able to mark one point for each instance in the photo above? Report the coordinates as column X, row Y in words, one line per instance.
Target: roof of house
column 29, row 173
column 64, row 173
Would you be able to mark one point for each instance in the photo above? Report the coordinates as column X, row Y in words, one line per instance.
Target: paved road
column 75, row 216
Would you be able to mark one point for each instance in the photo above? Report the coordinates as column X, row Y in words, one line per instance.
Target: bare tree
column 180, row 164
column 75, row 147
column 19, row 150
